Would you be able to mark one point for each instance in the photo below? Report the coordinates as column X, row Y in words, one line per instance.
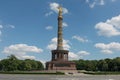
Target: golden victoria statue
column 60, row 11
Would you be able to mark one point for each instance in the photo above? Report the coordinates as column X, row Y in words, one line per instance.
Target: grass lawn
column 102, row 73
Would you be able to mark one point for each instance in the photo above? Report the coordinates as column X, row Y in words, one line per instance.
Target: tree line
column 14, row 64
column 99, row 65
column 11, row 63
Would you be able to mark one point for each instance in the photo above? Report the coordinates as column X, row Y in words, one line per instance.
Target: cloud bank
column 21, row 50
column 110, row 27
column 108, row 48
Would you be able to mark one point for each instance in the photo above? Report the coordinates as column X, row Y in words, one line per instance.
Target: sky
column 91, row 28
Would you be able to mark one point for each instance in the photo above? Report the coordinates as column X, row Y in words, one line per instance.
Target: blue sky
column 91, row 28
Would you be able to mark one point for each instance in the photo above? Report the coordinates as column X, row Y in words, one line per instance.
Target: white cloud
column 78, row 55
column 54, row 8
column 102, row 2
column 82, row 53
column 113, row 0
column 114, row 21
column 1, row 26
column 108, row 48
column 0, row 33
column 93, row 3
column 107, row 51
column 80, row 39
column 73, row 56
column 53, row 44
column 48, row 14
column 21, row 50
column 26, row 57
column 87, row 1
column 64, row 24
column 109, row 28
column 65, row 10
column 7, row 26
column 49, row 28
column 10, row 26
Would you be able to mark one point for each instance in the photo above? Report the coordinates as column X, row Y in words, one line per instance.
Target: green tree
column 5, row 64
column 25, row 66
column 33, row 64
column 10, row 64
column 117, row 63
column 91, row 65
column 1, row 66
column 12, row 57
column 80, row 64
column 102, row 65
column 40, row 65
column 13, row 64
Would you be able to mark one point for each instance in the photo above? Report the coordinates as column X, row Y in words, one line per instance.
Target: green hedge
column 27, row 72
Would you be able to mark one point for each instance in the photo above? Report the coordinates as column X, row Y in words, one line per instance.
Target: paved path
column 58, row 77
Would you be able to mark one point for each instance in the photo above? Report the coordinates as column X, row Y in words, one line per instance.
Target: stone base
column 60, row 65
